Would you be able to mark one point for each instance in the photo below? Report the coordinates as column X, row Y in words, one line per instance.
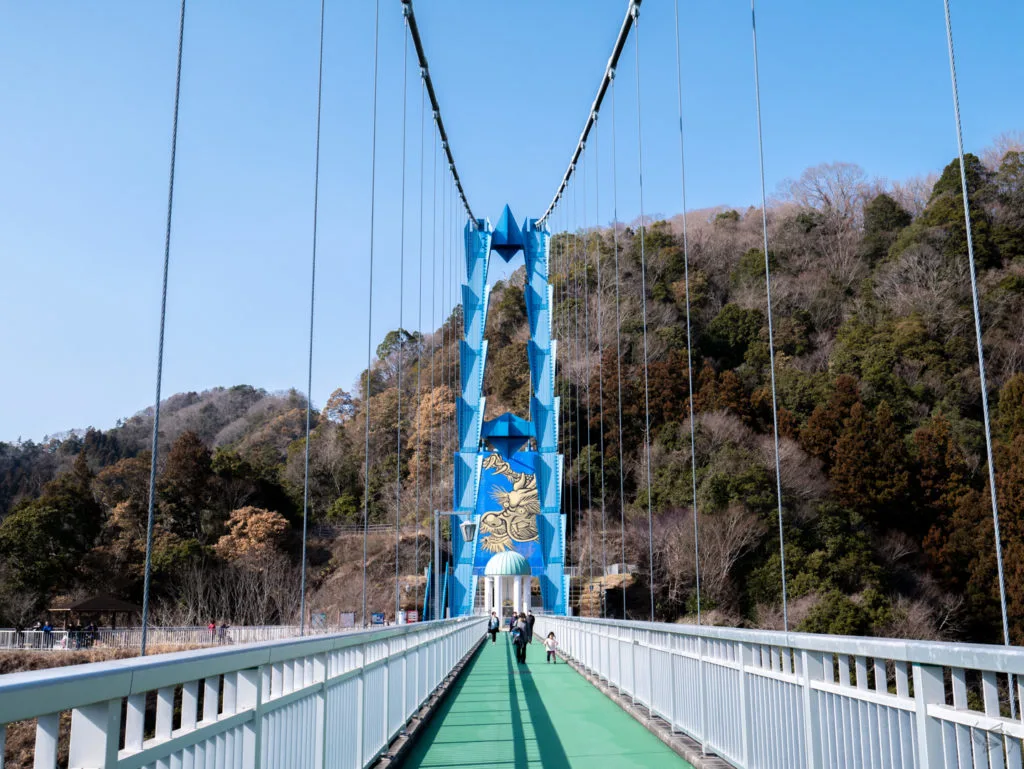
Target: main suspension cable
column 771, row 338
column 160, row 345
column 643, row 305
column 369, row 315
column 606, row 79
column 414, row 30
column 312, row 306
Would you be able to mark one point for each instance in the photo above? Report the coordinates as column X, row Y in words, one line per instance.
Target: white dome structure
column 507, row 578
column 508, row 563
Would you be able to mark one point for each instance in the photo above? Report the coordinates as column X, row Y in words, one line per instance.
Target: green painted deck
column 501, row 715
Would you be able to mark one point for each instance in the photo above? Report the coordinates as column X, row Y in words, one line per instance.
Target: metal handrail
column 288, row 698
column 761, row 698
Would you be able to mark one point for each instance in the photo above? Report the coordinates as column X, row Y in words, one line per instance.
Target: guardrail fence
column 772, row 700
column 325, row 701
column 131, row 637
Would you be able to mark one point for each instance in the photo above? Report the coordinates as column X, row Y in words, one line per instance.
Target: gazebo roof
column 101, row 603
column 507, row 564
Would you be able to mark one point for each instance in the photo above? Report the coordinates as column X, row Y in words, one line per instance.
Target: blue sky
column 85, row 109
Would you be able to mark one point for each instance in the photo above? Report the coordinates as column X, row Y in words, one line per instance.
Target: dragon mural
column 516, row 521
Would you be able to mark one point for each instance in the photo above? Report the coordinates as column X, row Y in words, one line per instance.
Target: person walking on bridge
column 551, row 645
column 493, row 625
column 519, row 632
column 530, row 619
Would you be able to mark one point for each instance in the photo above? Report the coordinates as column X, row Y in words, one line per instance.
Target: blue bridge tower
column 508, row 471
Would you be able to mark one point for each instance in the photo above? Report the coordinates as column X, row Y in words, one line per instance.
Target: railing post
column 650, row 674
column 247, row 697
column 360, row 708
column 813, row 670
column 702, row 693
column 929, row 689
column 672, row 686
column 320, row 676
column 47, row 728
column 95, row 734
column 746, row 658
column 387, row 691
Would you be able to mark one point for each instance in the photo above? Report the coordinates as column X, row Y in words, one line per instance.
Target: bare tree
column 914, row 193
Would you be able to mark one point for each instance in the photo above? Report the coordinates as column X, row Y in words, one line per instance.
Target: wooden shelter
column 95, row 607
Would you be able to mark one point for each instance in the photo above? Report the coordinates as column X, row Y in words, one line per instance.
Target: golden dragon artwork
column 517, row 519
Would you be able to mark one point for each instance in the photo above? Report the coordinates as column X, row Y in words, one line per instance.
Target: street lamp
column 468, row 529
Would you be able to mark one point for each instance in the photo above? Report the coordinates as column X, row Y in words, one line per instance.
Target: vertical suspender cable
column 401, row 319
column 160, row 344
column 618, row 347
column 419, row 325
column 977, row 334
column 434, row 599
column 643, row 305
column 586, row 374
column 444, row 350
column 771, row 339
column 578, row 378
column 689, row 378
column 433, row 348
column 689, row 338
column 600, row 357
column 570, row 294
column 369, row 314
column 312, row 303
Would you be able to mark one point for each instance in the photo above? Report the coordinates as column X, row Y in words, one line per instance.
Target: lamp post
column 468, row 528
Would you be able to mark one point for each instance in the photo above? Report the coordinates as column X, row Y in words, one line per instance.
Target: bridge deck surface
column 502, row 715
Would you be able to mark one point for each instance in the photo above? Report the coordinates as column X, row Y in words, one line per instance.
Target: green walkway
column 502, row 715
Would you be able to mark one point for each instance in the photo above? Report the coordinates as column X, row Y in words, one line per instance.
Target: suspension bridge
column 618, row 692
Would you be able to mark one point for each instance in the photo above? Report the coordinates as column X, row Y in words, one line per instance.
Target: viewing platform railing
column 773, row 700
column 329, row 700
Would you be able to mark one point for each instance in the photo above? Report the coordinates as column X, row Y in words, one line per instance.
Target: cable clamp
column 611, row 73
column 634, row 10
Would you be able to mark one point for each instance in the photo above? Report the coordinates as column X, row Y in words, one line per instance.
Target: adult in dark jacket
column 519, row 633
column 530, row 619
column 493, row 626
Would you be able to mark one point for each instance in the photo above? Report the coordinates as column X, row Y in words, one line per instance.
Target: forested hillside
column 887, row 516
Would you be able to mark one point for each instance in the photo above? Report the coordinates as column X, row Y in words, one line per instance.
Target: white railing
column 327, row 701
column 771, row 700
column 131, row 637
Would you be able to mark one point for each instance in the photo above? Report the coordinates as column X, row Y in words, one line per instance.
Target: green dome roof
column 507, row 564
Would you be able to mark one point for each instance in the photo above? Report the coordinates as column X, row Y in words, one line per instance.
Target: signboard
column 412, row 616
column 318, row 620
column 507, row 508
column 377, row 618
column 347, row 619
